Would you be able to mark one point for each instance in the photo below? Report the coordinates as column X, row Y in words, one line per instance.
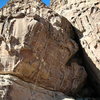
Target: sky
column 3, row 2
column 47, row 2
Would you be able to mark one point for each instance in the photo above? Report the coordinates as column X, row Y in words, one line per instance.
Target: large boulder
column 85, row 17
column 37, row 46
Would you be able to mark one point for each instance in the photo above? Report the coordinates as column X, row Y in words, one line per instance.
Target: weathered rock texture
column 37, row 46
column 12, row 88
column 85, row 17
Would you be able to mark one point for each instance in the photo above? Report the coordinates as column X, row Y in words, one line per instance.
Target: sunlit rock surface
column 37, row 46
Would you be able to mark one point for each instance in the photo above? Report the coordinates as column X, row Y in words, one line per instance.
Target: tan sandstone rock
column 12, row 88
column 37, row 46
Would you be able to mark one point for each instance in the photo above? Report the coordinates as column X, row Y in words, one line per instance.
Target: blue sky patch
column 4, row 2
column 47, row 2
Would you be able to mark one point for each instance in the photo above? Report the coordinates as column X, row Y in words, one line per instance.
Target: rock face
column 37, row 46
column 85, row 17
column 12, row 88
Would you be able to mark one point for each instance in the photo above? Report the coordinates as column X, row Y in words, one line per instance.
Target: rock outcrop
column 37, row 48
column 85, row 17
column 12, row 88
